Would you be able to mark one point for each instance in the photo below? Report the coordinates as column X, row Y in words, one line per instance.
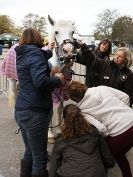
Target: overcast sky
column 83, row 12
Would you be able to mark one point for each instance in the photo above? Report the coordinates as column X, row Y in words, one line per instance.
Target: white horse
column 62, row 35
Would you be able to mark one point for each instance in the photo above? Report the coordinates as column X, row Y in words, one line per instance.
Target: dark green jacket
column 86, row 156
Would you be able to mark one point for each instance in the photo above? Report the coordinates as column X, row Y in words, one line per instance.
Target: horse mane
column 51, row 37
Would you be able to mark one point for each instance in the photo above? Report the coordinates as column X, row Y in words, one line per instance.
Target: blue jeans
column 34, row 129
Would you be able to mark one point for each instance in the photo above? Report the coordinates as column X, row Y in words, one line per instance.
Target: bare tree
column 104, row 23
column 35, row 21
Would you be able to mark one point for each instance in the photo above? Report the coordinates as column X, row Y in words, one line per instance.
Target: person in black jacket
column 34, row 101
column 113, row 73
column 80, row 150
column 102, row 51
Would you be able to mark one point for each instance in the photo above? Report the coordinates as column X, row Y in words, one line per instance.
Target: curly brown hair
column 74, row 125
column 76, row 90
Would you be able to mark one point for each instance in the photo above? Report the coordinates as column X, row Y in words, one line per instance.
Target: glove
column 76, row 44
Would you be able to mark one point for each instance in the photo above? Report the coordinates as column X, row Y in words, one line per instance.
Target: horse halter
column 62, row 54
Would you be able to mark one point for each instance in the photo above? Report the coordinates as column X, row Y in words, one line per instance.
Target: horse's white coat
column 61, row 30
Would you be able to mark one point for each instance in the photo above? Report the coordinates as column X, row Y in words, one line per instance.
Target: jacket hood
column 90, row 95
column 84, row 142
column 30, row 49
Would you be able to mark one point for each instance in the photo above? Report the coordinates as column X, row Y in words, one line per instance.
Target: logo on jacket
column 123, row 77
column 106, row 77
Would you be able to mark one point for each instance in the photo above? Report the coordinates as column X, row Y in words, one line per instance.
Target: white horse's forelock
column 63, row 23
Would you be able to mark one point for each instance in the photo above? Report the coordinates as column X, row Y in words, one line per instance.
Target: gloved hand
column 76, row 44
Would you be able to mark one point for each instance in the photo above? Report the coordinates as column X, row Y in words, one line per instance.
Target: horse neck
column 54, row 59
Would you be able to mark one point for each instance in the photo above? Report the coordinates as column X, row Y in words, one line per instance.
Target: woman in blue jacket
column 34, row 101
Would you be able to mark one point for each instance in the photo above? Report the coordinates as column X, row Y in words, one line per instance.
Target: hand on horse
column 51, row 46
column 54, row 69
column 77, row 45
column 61, row 77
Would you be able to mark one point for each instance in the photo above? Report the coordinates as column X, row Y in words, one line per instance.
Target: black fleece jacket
column 106, row 72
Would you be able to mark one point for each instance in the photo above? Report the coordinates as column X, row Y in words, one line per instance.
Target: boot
column 26, row 168
column 44, row 175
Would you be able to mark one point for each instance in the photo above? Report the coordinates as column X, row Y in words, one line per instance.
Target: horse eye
column 72, row 32
column 56, row 32
column 65, row 51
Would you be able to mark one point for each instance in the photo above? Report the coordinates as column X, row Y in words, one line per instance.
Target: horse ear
column 73, row 22
column 51, row 21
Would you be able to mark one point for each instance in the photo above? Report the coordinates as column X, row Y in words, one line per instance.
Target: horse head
column 62, row 34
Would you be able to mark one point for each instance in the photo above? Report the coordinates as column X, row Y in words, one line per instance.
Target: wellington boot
column 26, row 168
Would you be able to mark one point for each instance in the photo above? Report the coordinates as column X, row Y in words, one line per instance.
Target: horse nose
column 68, row 48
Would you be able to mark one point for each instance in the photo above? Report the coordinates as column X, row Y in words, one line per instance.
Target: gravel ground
column 11, row 146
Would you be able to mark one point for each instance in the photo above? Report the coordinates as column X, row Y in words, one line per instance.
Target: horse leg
column 12, row 92
column 50, row 134
column 56, row 120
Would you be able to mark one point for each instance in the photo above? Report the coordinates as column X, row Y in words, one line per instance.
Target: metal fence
column 3, row 80
column 4, row 85
column 79, row 69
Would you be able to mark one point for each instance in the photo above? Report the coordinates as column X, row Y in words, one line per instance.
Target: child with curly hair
column 80, row 150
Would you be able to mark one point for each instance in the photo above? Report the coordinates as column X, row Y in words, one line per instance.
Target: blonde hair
column 128, row 55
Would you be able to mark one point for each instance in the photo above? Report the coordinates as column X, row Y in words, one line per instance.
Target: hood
column 86, row 102
column 85, row 143
column 32, row 49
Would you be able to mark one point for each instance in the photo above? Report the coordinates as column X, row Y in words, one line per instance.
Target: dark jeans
column 34, row 129
column 119, row 146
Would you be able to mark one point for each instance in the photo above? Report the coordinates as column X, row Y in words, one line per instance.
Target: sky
column 83, row 12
